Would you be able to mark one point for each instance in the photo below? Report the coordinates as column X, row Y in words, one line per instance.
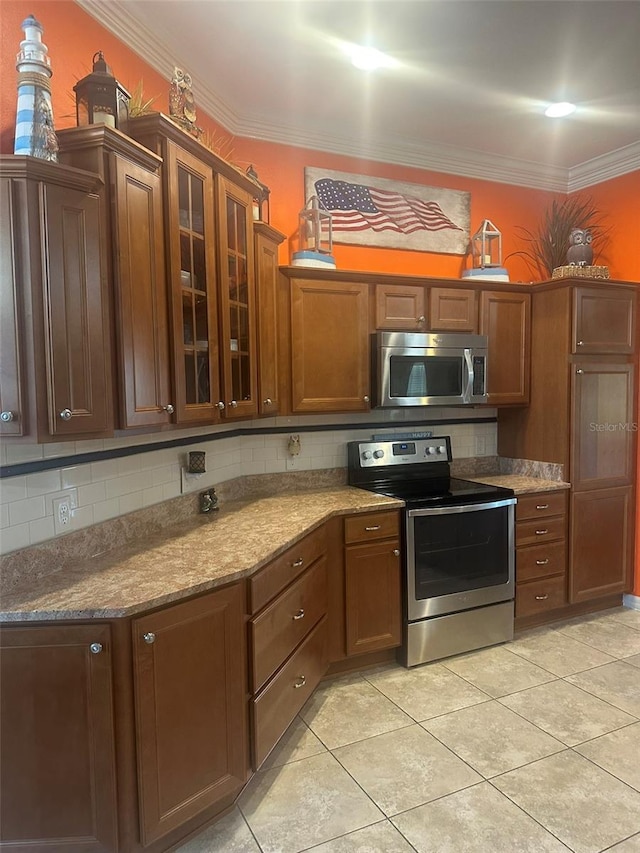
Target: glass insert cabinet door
column 237, row 300
column 194, row 287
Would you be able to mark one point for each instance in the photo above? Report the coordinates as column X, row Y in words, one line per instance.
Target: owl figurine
column 580, row 252
column 182, row 107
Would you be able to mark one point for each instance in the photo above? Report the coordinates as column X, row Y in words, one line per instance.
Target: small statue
column 580, row 251
column 182, row 105
column 35, row 134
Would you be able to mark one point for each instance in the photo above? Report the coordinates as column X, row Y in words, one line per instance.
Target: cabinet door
column 505, row 319
column 329, row 346
column 603, row 446
column 237, row 301
column 57, row 788
column 372, row 597
column 141, row 296
column 452, row 310
column 193, row 286
column 190, row 697
column 400, row 307
column 12, row 402
column 604, row 321
column 600, row 561
column 76, row 331
column 266, row 247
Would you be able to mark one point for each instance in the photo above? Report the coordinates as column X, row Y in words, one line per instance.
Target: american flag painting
column 380, row 212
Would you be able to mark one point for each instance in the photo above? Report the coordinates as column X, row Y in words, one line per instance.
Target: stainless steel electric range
column 458, row 546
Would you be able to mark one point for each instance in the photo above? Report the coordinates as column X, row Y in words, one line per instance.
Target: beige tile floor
column 529, row 747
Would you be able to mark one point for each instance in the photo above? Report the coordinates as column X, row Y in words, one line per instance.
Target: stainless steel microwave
column 429, row 369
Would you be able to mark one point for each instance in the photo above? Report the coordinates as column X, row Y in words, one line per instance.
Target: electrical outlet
column 481, row 445
column 62, row 514
column 294, row 463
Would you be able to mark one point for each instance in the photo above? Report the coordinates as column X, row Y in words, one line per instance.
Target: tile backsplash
column 109, row 488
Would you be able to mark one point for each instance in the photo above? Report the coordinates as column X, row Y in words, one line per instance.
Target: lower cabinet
column 372, row 582
column 189, row 661
column 58, row 769
column 541, row 554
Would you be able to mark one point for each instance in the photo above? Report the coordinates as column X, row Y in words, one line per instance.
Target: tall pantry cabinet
column 583, row 404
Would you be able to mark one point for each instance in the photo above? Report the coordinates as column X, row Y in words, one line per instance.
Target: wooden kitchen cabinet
column 453, row 309
column 58, row 770
column 604, row 321
column 133, row 226
column 372, row 582
column 505, row 318
column 267, row 240
column 55, row 380
column 400, row 307
column 329, row 346
column 190, row 707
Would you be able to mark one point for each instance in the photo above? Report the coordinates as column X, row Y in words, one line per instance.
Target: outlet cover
column 62, row 516
column 481, row 445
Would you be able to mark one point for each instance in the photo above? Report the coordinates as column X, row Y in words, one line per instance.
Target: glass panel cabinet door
column 193, row 286
column 237, row 301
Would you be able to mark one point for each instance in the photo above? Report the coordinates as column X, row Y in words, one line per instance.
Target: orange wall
column 73, row 37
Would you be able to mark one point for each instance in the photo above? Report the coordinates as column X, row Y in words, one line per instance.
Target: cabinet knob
column 542, row 506
column 268, row 402
column 366, row 398
column 220, row 406
column 542, row 597
column 302, row 680
column 579, row 371
column 6, row 417
column 299, row 615
column 396, row 553
column 542, row 532
column 233, row 404
column 149, row 637
column 542, row 562
column 422, row 320
column 95, row 648
column 66, row 414
column 297, row 562
column 580, row 343
column 169, row 409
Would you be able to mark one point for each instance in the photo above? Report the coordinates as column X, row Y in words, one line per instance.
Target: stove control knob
column 378, row 454
column 440, row 449
column 366, row 454
column 429, row 451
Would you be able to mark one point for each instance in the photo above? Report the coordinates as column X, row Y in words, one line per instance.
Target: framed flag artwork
column 367, row 211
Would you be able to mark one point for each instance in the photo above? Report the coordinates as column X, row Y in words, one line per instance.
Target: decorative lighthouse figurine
column 35, row 135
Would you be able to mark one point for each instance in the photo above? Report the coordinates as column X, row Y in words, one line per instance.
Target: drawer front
column 373, row 525
column 283, row 624
column 541, row 504
column 273, row 578
column 540, row 596
column 541, row 561
column 542, row 530
column 285, row 694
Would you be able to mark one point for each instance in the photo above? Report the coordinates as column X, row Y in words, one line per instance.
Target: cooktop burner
column 443, row 491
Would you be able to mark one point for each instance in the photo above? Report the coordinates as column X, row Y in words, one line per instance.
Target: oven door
column 459, row 557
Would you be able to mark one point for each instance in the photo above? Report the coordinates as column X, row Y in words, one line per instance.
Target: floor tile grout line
column 606, row 701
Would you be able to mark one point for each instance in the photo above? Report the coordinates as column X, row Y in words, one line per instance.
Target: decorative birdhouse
column 260, row 197
column 100, row 99
column 486, row 246
column 314, row 228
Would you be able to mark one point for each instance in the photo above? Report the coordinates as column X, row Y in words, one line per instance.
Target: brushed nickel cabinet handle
column 233, row 404
column 396, row 553
column 95, row 648
column 542, row 506
column 169, row 409
column 579, row 371
column 542, row 532
column 149, row 638
column 372, row 528
column 542, row 562
column 297, row 562
column 580, row 343
column 302, row 680
column 542, row 597
column 299, row 614
column 6, row 417
column 268, row 402
column 221, row 406
column 366, row 398
column 421, row 320
column 66, row 414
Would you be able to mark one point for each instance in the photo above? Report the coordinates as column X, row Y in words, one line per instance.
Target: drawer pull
column 372, row 528
column 297, row 563
column 542, row 506
column 302, row 680
column 542, row 562
column 542, row 597
column 299, row 615
column 542, row 532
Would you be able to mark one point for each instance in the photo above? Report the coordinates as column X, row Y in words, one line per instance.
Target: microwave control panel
column 415, row 452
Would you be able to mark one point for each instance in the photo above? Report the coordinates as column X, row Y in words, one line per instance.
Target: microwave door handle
column 468, row 390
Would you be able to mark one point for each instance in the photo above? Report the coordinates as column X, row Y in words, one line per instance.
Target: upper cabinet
column 453, row 309
column 267, row 240
column 603, row 322
column 55, row 380
column 505, row 317
column 400, row 307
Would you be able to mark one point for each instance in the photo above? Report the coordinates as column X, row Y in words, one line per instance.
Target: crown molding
column 452, row 160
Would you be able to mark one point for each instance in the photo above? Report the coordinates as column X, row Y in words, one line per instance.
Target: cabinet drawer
column 273, row 578
column 541, row 530
column 285, row 694
column 541, row 504
column 541, row 561
column 373, row 525
column 538, row 596
column 283, row 624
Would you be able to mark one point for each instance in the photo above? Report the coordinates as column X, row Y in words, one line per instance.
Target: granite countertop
column 185, row 559
column 520, row 483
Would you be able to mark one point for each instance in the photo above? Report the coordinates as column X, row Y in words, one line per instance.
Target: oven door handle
column 472, row 507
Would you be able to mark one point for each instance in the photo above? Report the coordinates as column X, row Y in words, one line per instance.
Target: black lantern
column 260, row 197
column 100, row 99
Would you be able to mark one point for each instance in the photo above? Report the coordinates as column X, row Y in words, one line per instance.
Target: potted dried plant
column 547, row 244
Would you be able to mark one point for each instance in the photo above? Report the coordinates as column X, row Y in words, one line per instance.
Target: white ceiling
column 466, row 97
